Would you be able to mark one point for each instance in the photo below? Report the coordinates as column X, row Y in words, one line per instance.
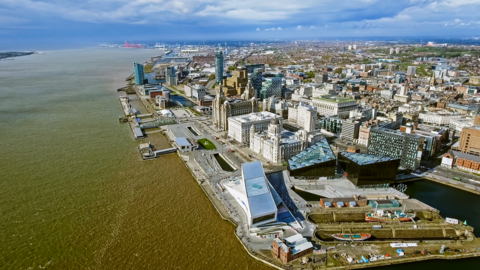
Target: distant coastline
column 8, row 55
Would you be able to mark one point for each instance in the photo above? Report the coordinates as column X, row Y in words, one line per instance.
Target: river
column 74, row 193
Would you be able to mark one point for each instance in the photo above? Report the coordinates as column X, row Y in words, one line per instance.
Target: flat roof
column 182, row 141
column 364, row 159
column 337, row 100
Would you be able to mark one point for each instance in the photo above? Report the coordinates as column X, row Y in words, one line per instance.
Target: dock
column 165, row 151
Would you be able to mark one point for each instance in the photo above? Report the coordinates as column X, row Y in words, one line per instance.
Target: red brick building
column 291, row 248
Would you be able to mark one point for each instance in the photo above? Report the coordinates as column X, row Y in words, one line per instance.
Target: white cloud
column 299, row 27
column 258, row 29
column 279, row 28
column 313, row 27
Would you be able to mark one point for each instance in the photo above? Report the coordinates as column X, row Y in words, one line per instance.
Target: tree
column 211, row 77
column 338, row 70
column 310, row 74
column 232, row 68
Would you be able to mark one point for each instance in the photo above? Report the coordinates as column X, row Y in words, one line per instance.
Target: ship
column 389, row 217
column 352, row 236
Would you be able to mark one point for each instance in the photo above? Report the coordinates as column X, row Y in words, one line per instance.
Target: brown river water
column 74, row 193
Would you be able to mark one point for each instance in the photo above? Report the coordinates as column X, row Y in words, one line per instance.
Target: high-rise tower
column 219, row 67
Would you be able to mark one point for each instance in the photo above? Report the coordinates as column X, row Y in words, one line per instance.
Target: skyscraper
column 139, row 73
column 256, row 79
column 219, row 67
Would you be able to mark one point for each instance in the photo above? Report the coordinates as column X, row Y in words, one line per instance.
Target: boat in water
column 352, row 236
column 389, row 217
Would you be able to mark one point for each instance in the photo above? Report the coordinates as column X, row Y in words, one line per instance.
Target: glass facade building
column 396, row 144
column 365, row 169
column 318, row 160
column 219, row 65
column 139, row 73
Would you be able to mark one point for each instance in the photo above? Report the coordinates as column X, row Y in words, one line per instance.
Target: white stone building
column 278, row 145
column 334, row 106
column 239, row 126
column 303, row 115
column 438, row 118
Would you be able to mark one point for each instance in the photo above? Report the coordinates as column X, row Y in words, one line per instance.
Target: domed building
column 277, row 145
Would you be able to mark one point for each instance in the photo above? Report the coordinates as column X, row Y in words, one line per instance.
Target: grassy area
column 207, row 144
column 148, row 68
column 447, row 52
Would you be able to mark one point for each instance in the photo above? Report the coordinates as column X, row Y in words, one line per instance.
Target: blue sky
column 55, row 22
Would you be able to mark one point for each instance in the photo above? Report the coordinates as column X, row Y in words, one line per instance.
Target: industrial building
column 365, row 169
column 318, row 160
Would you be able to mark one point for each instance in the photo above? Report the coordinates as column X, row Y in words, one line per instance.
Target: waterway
column 73, row 192
column 75, row 195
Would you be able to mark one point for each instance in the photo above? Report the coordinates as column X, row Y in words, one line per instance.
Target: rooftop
column 315, row 154
column 337, row 99
column 259, row 116
column 364, row 159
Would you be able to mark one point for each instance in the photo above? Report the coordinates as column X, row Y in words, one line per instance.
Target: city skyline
column 48, row 22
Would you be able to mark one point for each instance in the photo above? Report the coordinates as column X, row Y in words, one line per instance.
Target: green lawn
column 148, row 68
column 207, row 144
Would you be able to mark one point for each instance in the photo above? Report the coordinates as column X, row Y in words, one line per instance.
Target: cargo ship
column 389, row 217
column 352, row 237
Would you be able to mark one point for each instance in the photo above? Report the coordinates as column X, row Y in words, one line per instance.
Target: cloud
column 313, row 27
column 279, row 28
column 299, row 27
column 258, row 29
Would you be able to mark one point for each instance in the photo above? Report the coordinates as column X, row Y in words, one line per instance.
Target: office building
column 256, row 80
column 350, row 130
column 255, row 67
column 392, row 50
column 291, row 248
column 223, row 109
column 331, row 124
column 411, row 70
column 271, row 87
column 195, row 91
column 277, row 145
column 470, row 140
column 396, row 144
column 367, row 169
column 317, row 160
column 334, row 106
column 239, row 126
column 219, row 66
column 139, row 73
column 236, row 84
column 303, row 115
column 171, row 76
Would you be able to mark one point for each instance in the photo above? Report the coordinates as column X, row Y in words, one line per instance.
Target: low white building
column 438, row 118
column 239, row 126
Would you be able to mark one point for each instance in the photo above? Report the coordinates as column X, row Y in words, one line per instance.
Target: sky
column 44, row 23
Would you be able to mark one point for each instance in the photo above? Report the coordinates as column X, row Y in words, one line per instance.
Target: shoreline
column 226, row 214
